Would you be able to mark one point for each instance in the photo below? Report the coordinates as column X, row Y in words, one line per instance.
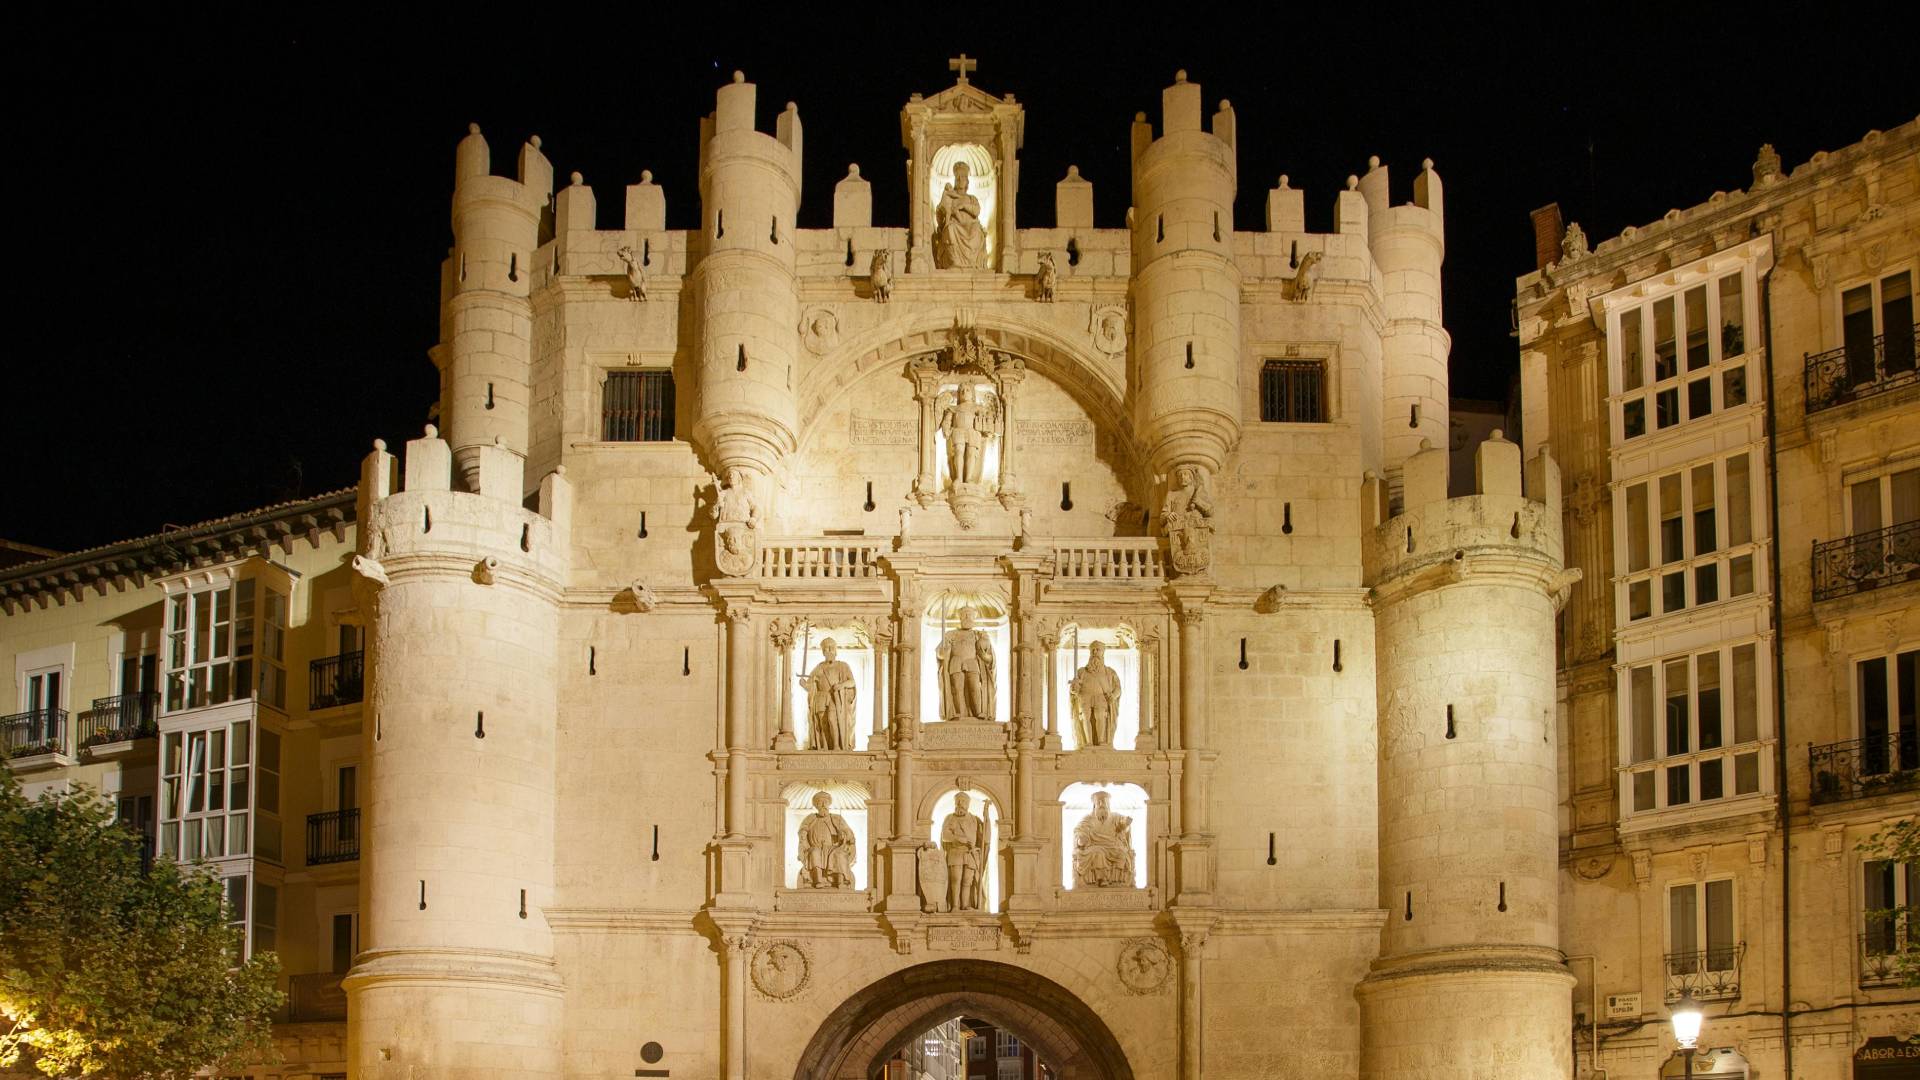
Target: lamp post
column 1686, row 1029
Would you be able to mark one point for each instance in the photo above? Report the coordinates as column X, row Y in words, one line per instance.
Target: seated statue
column 827, row 846
column 1103, row 847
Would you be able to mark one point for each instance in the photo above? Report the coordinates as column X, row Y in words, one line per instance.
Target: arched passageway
column 867, row 1028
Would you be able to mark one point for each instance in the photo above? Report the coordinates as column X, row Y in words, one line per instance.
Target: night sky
column 228, row 276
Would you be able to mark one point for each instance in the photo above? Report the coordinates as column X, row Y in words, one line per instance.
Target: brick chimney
column 1548, row 229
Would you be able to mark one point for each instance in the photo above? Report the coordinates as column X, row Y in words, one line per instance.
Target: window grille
column 637, row 406
column 1294, row 391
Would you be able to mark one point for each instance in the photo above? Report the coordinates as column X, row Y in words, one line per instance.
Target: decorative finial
column 1073, row 172
column 791, row 107
column 575, row 177
column 432, row 432
column 1284, row 182
column 963, row 64
column 1426, row 444
column 1225, row 105
column 499, row 440
column 739, row 76
column 1497, row 436
column 1180, row 76
column 533, row 141
column 559, row 470
column 473, row 129
column 1426, row 164
column 1353, row 182
column 853, row 170
column 646, row 176
column 1373, row 162
column 380, row 445
column 1140, row 118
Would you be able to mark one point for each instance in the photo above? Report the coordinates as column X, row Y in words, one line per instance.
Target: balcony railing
column 1862, row 768
column 1119, row 559
column 36, row 731
column 1883, row 948
column 1845, row 374
column 333, row 836
column 1868, row 561
column 336, row 680
column 315, row 997
column 1706, row 975
column 119, row 719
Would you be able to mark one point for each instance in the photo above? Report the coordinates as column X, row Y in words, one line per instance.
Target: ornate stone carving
column 830, row 701
column 963, row 843
column 1573, row 245
column 1103, row 847
column 959, row 240
column 1109, row 328
column 930, row 875
column 1145, row 967
column 736, row 517
column 1305, row 277
column 1766, row 165
column 820, row 330
column 880, row 275
column 965, row 663
column 641, row 596
column 781, row 969
column 1045, row 280
column 827, row 847
column 1096, row 701
column 636, row 280
column 1186, row 516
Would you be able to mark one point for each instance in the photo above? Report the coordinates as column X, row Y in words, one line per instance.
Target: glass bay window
column 1687, row 538
column 1694, row 727
column 1682, row 356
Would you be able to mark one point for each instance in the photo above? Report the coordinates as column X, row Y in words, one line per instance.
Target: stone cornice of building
column 133, row 562
column 1061, row 924
column 1636, row 242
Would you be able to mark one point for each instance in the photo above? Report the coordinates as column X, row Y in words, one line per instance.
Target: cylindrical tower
column 749, row 316
column 486, row 319
column 1466, row 592
column 1408, row 244
column 1186, row 289
column 456, row 976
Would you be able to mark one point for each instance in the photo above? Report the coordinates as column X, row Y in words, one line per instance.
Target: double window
column 221, row 640
column 1891, row 890
column 1688, row 537
column 1885, row 692
column 1293, row 391
column 1693, row 728
column 1876, row 327
column 1682, row 356
column 637, row 406
column 1703, row 950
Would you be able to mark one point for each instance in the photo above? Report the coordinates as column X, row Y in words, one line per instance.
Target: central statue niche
column 966, row 394
column 962, row 190
column 965, row 639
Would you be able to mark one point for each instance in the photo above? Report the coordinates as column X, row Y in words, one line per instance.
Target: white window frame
column 1691, row 560
column 259, row 673
column 1905, row 461
column 1714, row 372
column 1726, row 753
column 1699, row 884
column 175, row 822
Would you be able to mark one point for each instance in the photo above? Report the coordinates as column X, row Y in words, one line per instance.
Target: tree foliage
column 111, row 970
column 1900, row 843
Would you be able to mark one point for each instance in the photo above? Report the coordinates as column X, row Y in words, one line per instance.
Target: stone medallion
column 781, row 969
column 1144, row 965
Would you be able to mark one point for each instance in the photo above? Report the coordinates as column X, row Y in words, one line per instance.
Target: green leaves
column 1899, row 843
column 111, row 971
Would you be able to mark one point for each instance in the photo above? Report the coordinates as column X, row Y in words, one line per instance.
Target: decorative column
column 1049, row 642
column 1191, row 1020
column 1149, row 737
column 739, row 687
column 736, row 945
column 1008, row 373
column 1193, row 717
column 1025, row 652
column 782, row 638
column 882, row 630
column 926, row 390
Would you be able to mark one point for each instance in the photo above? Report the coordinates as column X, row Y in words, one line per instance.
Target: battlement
column 1514, row 514
column 426, row 517
column 1180, row 109
column 729, row 133
column 1425, row 214
column 473, row 178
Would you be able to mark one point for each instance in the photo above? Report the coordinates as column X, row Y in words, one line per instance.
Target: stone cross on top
column 962, row 64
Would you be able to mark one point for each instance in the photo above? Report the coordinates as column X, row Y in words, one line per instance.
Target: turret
column 1465, row 594
column 457, row 753
column 749, row 337
column 486, row 320
column 1186, row 288
column 1408, row 244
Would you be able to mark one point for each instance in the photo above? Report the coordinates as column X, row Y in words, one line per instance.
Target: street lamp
column 1686, row 1029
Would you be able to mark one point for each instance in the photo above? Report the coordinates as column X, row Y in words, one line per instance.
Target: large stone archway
column 878, row 1020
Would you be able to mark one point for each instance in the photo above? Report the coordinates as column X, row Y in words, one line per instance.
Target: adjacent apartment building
column 1732, row 392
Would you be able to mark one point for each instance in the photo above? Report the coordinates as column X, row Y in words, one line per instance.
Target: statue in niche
column 830, row 695
column 880, row 275
column 958, row 238
column 1103, row 847
column 636, row 281
column 1187, row 518
column 965, row 659
column 736, row 517
column 963, row 840
column 1045, row 280
column 967, row 424
column 1096, row 698
column 827, row 846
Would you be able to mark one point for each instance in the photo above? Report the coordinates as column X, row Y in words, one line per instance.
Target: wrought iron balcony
column 1851, row 373
column 1862, row 768
column 333, row 836
column 336, row 680
column 1706, row 975
column 1868, row 561
column 34, row 732
column 1887, row 942
column 120, row 719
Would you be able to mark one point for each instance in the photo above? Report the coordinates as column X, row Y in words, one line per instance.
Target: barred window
column 637, row 406
column 1294, row 391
